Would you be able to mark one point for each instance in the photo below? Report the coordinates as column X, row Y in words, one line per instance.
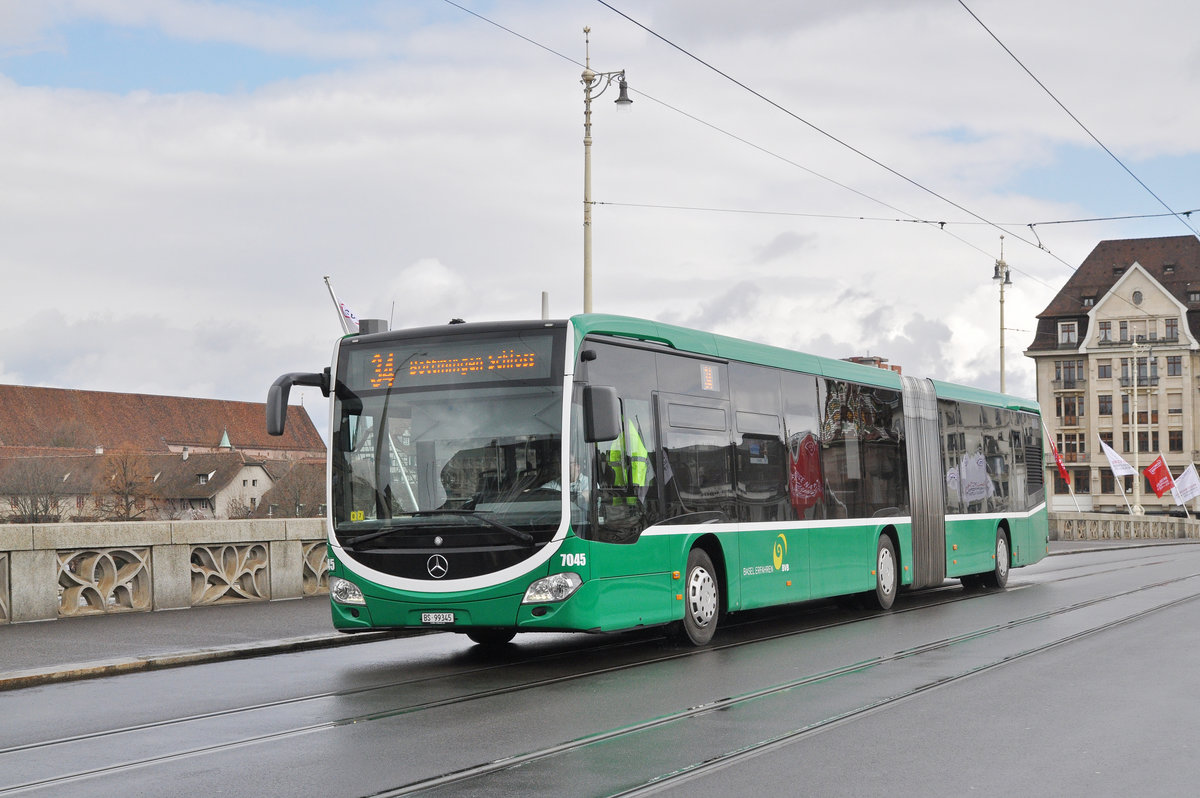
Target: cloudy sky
column 177, row 176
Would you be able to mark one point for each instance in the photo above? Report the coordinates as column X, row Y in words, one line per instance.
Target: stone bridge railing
column 1110, row 526
column 52, row 571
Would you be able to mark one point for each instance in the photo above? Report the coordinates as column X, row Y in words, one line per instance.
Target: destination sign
column 409, row 363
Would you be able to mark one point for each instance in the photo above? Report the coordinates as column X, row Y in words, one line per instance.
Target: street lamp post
column 1137, row 508
column 590, row 81
column 1003, row 278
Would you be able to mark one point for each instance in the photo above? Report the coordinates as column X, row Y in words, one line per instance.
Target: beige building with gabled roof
column 1117, row 358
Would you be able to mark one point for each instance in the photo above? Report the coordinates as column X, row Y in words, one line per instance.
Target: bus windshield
column 480, row 452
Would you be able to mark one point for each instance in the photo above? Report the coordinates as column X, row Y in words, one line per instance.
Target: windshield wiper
column 478, row 515
column 378, row 533
column 523, row 537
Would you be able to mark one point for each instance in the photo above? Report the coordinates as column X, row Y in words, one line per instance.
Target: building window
column 79, row 502
column 1069, row 408
column 253, row 502
column 1068, row 333
column 1125, row 442
column 1059, row 485
column 1175, row 440
column 245, row 482
column 1193, row 296
column 202, row 479
column 1137, row 297
column 1104, row 369
column 1172, row 329
column 1174, row 404
column 1083, row 480
column 1124, row 331
column 1107, row 438
column 1107, row 483
column 1105, row 404
column 254, row 482
column 1168, row 268
column 1105, row 331
column 1174, row 365
column 1088, row 301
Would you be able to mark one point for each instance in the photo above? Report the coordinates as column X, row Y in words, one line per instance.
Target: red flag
column 1159, row 476
column 1062, row 469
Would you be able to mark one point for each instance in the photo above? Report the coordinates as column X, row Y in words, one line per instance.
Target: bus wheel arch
column 997, row 578
column 704, row 596
column 886, row 569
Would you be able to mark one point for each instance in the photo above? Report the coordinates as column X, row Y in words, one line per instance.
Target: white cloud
column 176, row 242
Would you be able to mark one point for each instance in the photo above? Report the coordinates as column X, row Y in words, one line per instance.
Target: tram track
column 482, row 771
column 111, row 736
column 944, row 595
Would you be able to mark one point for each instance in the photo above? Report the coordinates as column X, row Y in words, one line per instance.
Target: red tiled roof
column 59, row 417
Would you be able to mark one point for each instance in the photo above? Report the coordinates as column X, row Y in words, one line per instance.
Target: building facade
column 1117, row 356
column 70, row 455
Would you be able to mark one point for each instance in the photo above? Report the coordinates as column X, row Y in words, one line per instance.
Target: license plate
column 437, row 617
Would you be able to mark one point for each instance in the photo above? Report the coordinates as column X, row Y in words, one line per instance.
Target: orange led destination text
column 385, row 370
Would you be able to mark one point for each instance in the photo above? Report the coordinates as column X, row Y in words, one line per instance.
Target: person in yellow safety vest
column 638, row 475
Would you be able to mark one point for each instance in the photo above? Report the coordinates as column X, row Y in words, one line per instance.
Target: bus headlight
column 345, row 592
column 555, row 587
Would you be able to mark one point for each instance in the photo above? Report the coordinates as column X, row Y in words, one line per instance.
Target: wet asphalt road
column 1078, row 680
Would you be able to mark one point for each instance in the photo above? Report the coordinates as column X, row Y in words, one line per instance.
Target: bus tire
column 887, row 573
column 491, row 637
column 997, row 578
column 701, row 601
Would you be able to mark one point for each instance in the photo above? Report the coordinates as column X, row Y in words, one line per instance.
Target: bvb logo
column 779, row 551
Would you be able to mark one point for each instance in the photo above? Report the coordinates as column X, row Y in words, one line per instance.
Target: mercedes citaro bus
column 603, row 473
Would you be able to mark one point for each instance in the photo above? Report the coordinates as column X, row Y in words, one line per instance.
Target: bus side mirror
column 601, row 414
column 277, row 397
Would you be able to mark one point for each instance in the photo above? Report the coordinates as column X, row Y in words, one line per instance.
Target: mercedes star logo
column 437, row 566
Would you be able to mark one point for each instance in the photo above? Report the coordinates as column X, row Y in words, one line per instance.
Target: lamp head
column 623, row 100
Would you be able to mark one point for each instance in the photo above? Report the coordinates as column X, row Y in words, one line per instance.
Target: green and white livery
column 604, row 473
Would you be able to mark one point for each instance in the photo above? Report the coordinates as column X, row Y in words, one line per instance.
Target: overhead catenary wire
column 1076, row 119
column 722, row 131
column 913, row 218
column 816, row 128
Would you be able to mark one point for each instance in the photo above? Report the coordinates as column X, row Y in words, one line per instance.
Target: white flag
column 1120, row 468
column 1187, row 486
column 346, row 316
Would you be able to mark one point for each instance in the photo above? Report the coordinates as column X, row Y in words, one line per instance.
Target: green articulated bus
column 604, row 473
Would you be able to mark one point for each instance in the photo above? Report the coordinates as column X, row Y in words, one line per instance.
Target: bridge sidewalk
column 78, row 648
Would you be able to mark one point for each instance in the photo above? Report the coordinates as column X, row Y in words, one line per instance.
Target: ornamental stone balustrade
column 50, row 571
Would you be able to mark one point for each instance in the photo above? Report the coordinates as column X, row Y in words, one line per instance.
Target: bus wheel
column 491, row 637
column 887, row 576
column 998, row 577
column 701, row 601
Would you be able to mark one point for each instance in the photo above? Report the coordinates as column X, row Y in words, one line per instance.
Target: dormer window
column 1068, row 333
column 1168, row 268
column 1089, row 301
column 1118, row 271
column 1193, row 296
column 202, row 479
